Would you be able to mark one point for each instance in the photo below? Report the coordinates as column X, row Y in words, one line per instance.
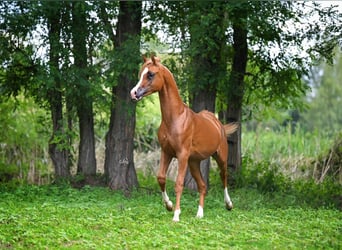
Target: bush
column 325, row 194
column 8, row 172
column 267, row 178
column 329, row 164
column 23, row 140
column 263, row 176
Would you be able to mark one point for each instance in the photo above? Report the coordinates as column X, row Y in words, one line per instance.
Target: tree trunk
column 236, row 86
column 86, row 155
column 119, row 165
column 58, row 143
column 207, row 69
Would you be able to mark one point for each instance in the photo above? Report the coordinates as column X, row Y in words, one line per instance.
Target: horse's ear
column 144, row 58
column 155, row 59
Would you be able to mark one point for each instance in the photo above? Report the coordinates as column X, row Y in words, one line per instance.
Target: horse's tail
column 230, row 128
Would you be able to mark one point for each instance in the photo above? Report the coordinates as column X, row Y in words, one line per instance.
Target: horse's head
column 150, row 79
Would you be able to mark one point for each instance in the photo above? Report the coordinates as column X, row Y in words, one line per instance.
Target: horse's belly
column 204, row 147
column 201, row 137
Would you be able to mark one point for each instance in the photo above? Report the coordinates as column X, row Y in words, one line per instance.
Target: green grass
column 52, row 217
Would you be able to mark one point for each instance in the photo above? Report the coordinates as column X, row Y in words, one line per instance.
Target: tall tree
column 236, row 84
column 58, row 145
column 83, row 90
column 42, row 81
column 119, row 165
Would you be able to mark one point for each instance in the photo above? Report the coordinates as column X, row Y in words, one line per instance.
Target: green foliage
column 290, row 162
column 8, row 172
column 23, row 140
column 329, row 163
column 55, row 217
column 271, row 142
column 324, row 112
column 263, row 176
column 147, row 123
column 326, row 194
column 268, row 179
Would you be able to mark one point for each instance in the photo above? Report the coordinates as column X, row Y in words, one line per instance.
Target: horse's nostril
column 139, row 93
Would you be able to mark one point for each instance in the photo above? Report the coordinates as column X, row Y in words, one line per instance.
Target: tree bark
column 236, row 86
column 58, row 143
column 86, row 155
column 119, row 165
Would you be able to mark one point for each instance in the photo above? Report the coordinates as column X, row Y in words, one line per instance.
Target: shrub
column 267, row 178
column 23, row 140
column 325, row 194
column 263, row 176
column 8, row 172
column 330, row 163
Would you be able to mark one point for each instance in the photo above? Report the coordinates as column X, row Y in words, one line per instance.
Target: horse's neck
column 171, row 104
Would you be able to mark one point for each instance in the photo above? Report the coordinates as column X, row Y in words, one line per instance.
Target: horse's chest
column 170, row 139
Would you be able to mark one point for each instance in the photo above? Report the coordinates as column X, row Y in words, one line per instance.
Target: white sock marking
column 200, row 212
column 176, row 215
column 166, row 199
column 226, row 197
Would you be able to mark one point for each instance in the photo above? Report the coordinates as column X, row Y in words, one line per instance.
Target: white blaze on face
column 134, row 90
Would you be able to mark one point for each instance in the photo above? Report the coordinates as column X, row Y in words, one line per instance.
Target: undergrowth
column 268, row 178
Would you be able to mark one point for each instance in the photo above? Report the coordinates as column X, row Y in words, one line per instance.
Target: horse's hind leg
column 164, row 165
column 196, row 173
column 221, row 159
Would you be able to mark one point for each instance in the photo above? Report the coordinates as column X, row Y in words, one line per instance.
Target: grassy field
column 51, row 217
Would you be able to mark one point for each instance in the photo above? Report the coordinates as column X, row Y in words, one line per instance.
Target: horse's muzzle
column 133, row 94
column 137, row 94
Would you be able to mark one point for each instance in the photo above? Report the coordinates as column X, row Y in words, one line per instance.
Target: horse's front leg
column 182, row 165
column 195, row 171
column 165, row 160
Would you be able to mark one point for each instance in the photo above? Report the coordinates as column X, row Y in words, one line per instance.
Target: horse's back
column 208, row 119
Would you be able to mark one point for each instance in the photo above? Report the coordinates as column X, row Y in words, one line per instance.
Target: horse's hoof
column 170, row 209
column 176, row 215
column 169, row 206
column 175, row 220
column 229, row 206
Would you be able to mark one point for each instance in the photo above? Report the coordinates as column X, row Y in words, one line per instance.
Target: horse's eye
column 150, row 75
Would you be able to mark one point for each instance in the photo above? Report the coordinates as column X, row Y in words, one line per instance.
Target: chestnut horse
column 184, row 134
